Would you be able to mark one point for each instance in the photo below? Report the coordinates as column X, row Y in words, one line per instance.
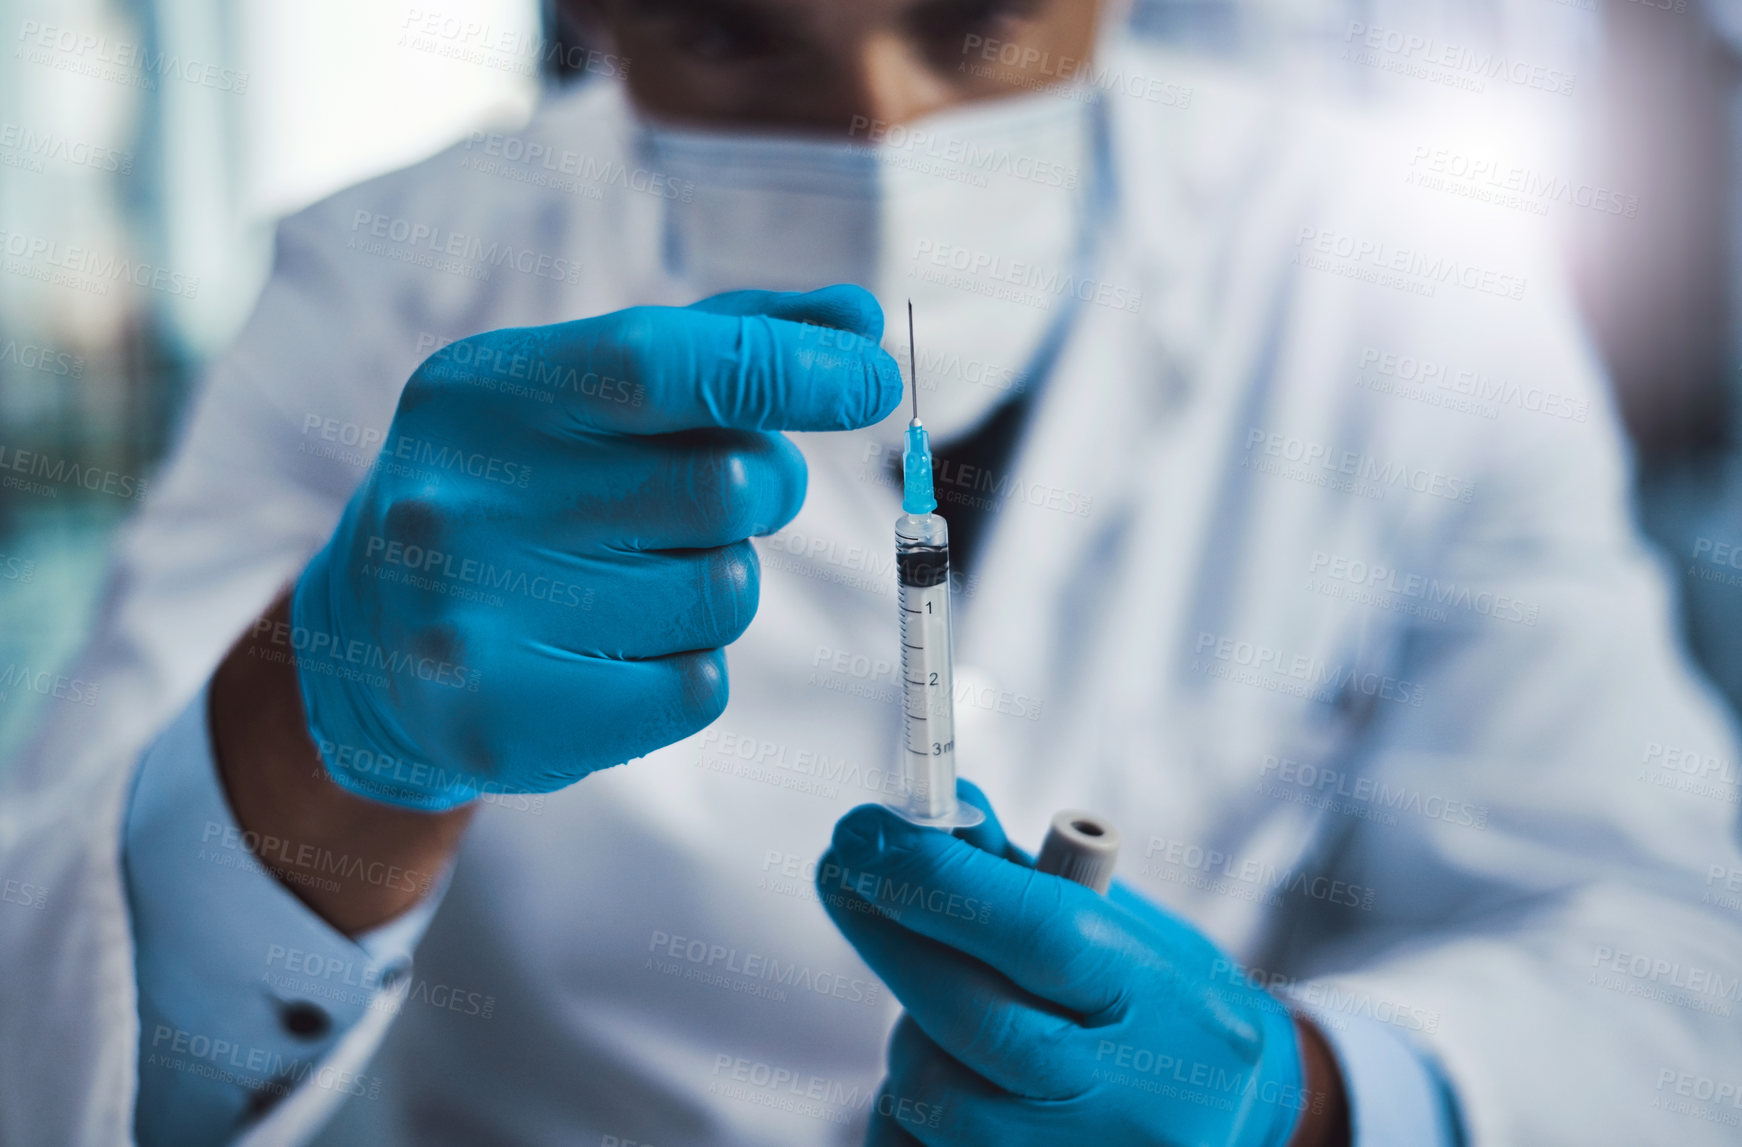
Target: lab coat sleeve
column 228, row 522
column 1553, row 811
column 244, row 993
column 1395, row 1095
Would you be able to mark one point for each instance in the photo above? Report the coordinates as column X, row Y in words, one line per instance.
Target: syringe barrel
column 922, row 562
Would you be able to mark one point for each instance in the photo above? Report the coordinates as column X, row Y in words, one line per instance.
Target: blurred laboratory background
column 148, row 146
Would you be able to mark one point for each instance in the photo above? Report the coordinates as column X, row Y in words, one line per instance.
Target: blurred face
column 816, row 65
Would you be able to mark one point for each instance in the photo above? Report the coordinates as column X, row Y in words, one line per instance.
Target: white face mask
column 977, row 214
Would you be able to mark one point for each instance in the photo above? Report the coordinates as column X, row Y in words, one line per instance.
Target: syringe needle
column 912, row 363
column 917, row 495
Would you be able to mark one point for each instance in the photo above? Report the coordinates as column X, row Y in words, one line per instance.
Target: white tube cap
column 1080, row 846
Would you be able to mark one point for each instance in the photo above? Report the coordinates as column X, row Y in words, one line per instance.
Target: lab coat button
column 305, row 1021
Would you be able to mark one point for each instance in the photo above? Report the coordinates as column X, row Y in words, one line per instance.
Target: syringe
column 922, row 565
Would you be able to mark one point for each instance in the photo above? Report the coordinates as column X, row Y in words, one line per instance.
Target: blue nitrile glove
column 1041, row 1013
column 538, row 575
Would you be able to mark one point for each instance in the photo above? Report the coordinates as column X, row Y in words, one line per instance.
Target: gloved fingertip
column 782, row 498
column 864, row 832
column 884, row 387
column 988, row 835
column 848, row 307
column 969, row 791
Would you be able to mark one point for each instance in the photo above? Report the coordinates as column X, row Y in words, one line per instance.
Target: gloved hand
column 530, row 589
column 1041, row 1013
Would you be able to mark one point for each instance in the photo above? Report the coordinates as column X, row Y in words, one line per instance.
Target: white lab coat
column 1520, row 833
